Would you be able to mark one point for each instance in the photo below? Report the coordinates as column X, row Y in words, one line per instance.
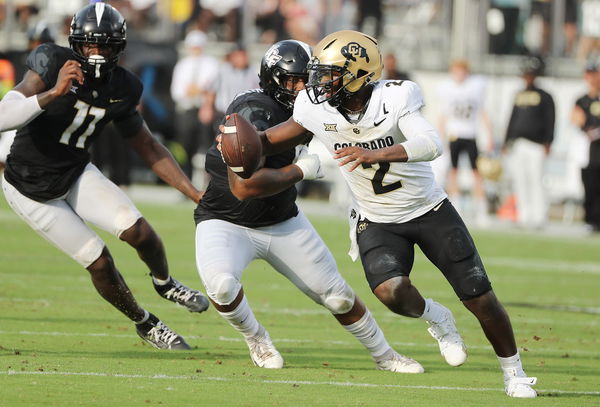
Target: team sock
column 144, row 318
column 433, row 311
column 369, row 334
column 160, row 282
column 511, row 366
column 242, row 319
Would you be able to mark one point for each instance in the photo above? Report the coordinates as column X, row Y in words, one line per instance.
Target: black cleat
column 191, row 299
column 160, row 336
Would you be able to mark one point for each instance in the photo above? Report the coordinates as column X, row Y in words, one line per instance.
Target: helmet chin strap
column 96, row 61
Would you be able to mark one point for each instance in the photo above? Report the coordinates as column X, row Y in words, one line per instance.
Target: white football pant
column 528, row 169
column 292, row 247
column 92, row 198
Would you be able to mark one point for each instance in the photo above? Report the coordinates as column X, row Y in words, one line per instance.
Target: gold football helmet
column 489, row 168
column 342, row 63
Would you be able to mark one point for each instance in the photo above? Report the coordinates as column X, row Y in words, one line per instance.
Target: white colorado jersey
column 387, row 192
column 462, row 105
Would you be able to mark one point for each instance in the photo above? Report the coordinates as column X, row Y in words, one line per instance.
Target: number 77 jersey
column 385, row 192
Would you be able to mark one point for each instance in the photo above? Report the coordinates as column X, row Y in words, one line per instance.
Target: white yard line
column 297, row 382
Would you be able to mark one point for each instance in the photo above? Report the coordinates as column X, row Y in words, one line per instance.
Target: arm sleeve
column 422, row 140
column 16, row 110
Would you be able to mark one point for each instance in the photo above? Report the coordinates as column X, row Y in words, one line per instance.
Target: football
column 241, row 146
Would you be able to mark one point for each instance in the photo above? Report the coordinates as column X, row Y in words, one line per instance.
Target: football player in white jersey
column 463, row 99
column 376, row 131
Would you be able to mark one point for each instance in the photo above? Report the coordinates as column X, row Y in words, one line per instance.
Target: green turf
column 62, row 345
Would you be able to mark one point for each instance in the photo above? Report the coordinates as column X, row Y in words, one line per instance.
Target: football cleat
column 159, row 335
column 520, row 387
column 451, row 345
column 395, row 362
column 189, row 298
column 263, row 352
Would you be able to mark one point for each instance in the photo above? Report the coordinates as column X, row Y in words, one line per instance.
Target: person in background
column 236, row 75
column 586, row 116
column 463, row 107
column 228, row 11
column 529, row 135
column 390, row 68
column 191, row 89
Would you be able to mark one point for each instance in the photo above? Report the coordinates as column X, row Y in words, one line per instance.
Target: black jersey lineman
column 218, row 202
column 50, row 152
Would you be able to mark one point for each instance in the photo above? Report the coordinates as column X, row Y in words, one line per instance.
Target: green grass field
column 62, row 345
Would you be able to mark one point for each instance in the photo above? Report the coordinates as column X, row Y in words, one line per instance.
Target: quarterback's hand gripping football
column 309, row 164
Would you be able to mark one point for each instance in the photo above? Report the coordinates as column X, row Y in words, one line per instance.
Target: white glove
column 308, row 163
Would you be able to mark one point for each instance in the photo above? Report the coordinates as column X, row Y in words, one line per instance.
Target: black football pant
column 591, row 201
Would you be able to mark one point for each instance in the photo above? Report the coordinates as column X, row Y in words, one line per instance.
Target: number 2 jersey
column 50, row 152
column 386, row 192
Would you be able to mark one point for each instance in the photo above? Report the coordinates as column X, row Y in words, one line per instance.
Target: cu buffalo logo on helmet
column 353, row 50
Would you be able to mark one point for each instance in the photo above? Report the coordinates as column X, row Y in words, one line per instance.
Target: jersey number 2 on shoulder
column 83, row 111
column 377, row 180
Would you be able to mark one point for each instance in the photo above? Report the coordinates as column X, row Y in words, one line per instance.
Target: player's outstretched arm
column 282, row 137
column 270, row 181
column 160, row 160
column 28, row 99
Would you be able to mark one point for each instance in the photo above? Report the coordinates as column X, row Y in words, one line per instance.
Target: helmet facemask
column 97, row 65
column 286, row 90
column 327, row 83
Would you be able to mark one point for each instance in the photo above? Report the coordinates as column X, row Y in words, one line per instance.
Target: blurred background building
column 423, row 36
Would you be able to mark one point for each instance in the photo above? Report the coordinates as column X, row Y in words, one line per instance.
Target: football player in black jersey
column 586, row 116
column 239, row 220
column 61, row 106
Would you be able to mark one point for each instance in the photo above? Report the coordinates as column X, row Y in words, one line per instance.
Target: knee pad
column 340, row 302
column 226, row 288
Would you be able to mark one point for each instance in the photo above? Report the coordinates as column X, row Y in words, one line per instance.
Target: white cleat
column 395, row 362
column 520, row 387
column 263, row 352
column 452, row 347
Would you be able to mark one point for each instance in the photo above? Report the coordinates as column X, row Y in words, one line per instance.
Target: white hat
column 195, row 39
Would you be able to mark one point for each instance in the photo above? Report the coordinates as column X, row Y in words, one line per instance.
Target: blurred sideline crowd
column 194, row 56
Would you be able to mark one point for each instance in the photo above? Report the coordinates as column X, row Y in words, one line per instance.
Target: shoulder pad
column 46, row 60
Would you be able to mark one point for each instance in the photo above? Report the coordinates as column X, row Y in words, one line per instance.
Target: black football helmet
column 283, row 60
column 101, row 24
